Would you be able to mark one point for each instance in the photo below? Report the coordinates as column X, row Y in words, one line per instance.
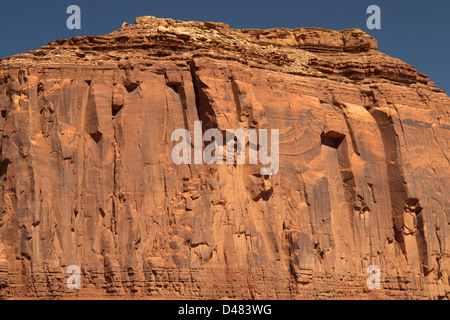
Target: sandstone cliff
column 86, row 176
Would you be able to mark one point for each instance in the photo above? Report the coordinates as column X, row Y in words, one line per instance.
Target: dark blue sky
column 414, row 31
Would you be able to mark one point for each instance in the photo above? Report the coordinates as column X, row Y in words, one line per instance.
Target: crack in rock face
column 87, row 180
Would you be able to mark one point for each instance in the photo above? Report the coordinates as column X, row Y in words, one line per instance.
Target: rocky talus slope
column 86, row 176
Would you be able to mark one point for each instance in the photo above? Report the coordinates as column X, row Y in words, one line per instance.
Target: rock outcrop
column 86, row 176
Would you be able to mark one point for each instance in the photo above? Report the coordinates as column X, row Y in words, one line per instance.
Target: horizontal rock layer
column 86, row 175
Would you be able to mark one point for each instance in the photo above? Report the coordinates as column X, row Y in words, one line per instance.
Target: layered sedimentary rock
column 86, row 175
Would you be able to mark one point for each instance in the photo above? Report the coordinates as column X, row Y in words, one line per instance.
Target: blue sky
column 414, row 31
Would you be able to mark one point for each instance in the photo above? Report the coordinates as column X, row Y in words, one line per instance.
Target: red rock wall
column 86, row 176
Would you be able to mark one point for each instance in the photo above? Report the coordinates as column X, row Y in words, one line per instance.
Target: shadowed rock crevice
column 352, row 136
column 337, row 144
column 413, row 208
column 205, row 111
column 397, row 188
column 131, row 86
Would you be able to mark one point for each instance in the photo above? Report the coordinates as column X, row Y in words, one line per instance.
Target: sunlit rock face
column 87, row 179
